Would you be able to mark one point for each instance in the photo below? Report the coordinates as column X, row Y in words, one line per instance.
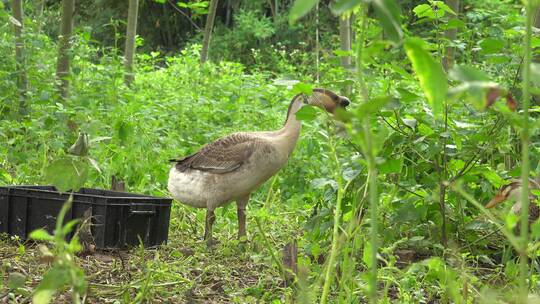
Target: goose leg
column 210, row 218
column 241, row 213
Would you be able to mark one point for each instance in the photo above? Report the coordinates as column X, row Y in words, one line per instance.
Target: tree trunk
column 22, row 79
column 39, row 13
column 273, row 9
column 208, row 29
column 167, row 25
column 64, row 45
column 228, row 13
column 451, row 35
column 129, row 51
column 345, row 39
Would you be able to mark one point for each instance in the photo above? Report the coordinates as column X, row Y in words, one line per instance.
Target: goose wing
column 224, row 155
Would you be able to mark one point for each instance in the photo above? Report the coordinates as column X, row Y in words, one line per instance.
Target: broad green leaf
column 5, row 176
column 43, row 296
column 339, row 7
column 366, row 256
column 444, row 7
column 388, row 13
column 124, row 130
column 302, row 88
column 342, row 53
column 349, row 174
column 373, row 106
column 391, row 166
column 467, row 73
column 52, row 281
column 300, row 8
column 41, row 235
column 482, row 92
column 66, row 174
column 424, row 11
column 492, row 177
column 478, row 92
column 455, row 24
column 16, row 280
column 430, row 74
column 535, row 42
column 74, row 244
column 406, row 95
column 320, row 183
column 306, row 113
column 410, row 122
column 491, row 45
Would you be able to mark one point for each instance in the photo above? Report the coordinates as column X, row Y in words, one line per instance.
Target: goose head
column 327, row 100
column 507, row 192
column 512, row 192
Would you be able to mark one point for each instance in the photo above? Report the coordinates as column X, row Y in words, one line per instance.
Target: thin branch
column 185, row 15
column 392, row 126
column 410, row 191
column 476, row 157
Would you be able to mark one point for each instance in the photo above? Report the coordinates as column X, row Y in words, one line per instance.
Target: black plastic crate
column 118, row 219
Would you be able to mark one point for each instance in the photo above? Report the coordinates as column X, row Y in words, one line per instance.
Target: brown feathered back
column 224, row 155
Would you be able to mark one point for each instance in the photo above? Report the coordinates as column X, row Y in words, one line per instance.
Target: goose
column 231, row 168
column 512, row 191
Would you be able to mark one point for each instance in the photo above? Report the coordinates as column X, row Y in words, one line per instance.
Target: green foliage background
column 176, row 105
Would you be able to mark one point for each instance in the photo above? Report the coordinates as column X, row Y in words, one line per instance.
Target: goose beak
column 499, row 198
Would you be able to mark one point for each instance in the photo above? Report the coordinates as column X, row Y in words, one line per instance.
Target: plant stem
column 370, row 157
column 317, row 63
column 525, row 138
column 373, row 202
column 335, row 233
column 442, row 178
